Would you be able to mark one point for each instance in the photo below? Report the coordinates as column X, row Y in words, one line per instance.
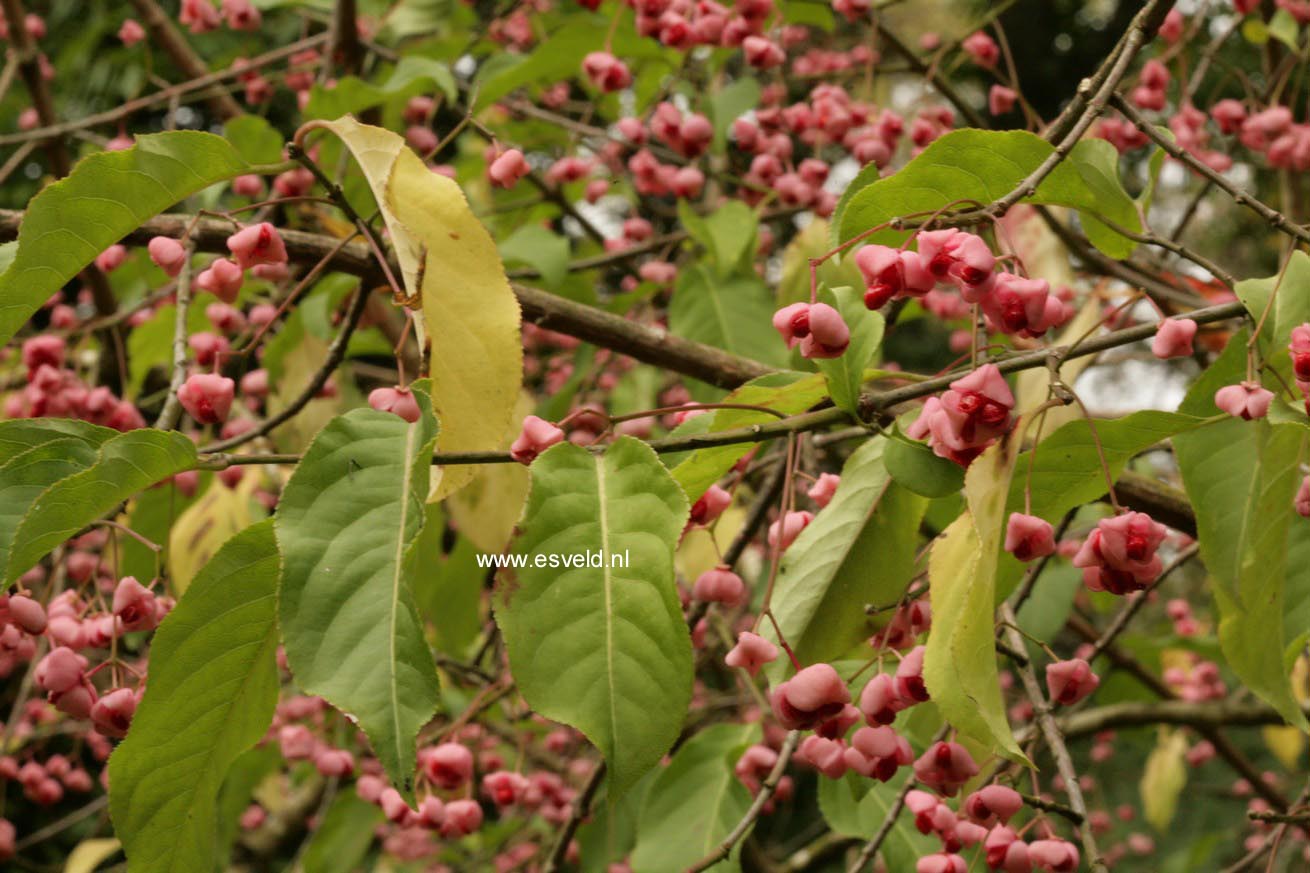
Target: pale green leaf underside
column 346, row 523
column 733, row 314
column 106, row 197
column 213, row 687
column 126, row 464
column 604, row 649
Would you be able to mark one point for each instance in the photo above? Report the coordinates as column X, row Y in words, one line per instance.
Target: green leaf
column 729, row 103
column 106, row 197
column 17, row 435
column 845, row 374
column 539, row 248
column 610, row 832
column 854, row 806
column 1241, row 478
column 213, row 687
column 448, row 588
column 858, row 550
column 604, row 649
column 694, row 802
column 341, row 842
column 257, row 141
column 151, row 345
column 1284, row 28
column 244, row 775
column 985, row 165
column 789, row 393
column 960, row 662
column 347, row 524
column 733, row 314
column 913, row 465
column 1291, row 307
column 728, row 235
column 125, row 464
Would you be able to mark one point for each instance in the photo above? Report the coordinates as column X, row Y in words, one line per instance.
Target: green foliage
column 913, row 465
column 213, row 687
column 694, row 802
column 347, row 524
column 106, row 197
column 603, row 649
column 976, row 167
column 413, row 74
column 788, row 393
column 123, row 465
column 541, row 249
column 1241, row 478
column 859, row 550
column 731, row 313
column 845, row 374
column 855, row 806
column 341, row 842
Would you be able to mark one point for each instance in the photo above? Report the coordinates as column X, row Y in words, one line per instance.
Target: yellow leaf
column 487, row 509
column 90, row 854
column 1287, row 744
column 1163, row 778
column 218, row 515
column 469, row 312
column 697, row 552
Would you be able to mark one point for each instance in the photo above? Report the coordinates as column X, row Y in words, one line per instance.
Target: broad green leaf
column 1241, row 478
column 342, row 840
column 17, row 435
column 543, row 250
column 90, row 854
column 694, row 802
column 858, row 550
column 25, row 476
column 347, row 524
column 213, row 687
column 789, row 393
column 244, row 776
column 960, row 662
column 255, row 139
column 913, row 465
column 125, row 464
column 604, row 649
column 728, row 235
column 854, row 806
column 1291, row 307
column 845, row 374
column 106, row 197
column 610, row 832
column 983, row 166
column 1163, row 779
column 734, row 314
column 448, row 587
column 1066, row 472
